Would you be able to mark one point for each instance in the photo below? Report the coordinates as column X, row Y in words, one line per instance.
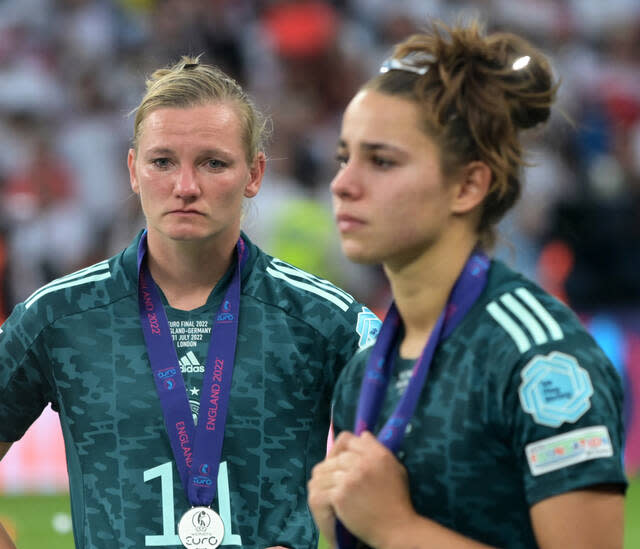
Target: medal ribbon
column 196, row 449
column 464, row 294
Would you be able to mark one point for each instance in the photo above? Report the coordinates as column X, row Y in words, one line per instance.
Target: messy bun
column 477, row 93
column 527, row 84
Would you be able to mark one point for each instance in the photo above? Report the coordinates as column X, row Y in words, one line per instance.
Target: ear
column 131, row 163
column 472, row 188
column 256, row 173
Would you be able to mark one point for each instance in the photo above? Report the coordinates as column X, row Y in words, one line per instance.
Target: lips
column 185, row 212
column 348, row 222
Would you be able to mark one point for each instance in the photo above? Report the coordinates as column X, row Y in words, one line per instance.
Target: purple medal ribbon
column 197, row 449
column 464, row 294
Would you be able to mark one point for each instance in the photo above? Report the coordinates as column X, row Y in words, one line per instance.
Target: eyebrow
column 159, row 150
column 205, row 152
column 369, row 147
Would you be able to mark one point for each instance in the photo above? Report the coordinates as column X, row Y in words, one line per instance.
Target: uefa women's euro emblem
column 201, row 528
column 368, row 327
column 555, row 389
column 225, row 315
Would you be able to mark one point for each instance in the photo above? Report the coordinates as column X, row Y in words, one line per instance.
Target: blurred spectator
column 602, row 232
column 86, row 31
column 94, row 142
column 48, row 231
column 39, row 185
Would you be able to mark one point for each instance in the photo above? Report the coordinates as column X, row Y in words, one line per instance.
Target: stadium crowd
column 69, row 73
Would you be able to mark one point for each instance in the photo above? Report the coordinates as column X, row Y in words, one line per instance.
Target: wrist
column 402, row 534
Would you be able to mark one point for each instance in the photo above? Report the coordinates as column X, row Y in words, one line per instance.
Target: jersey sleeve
column 25, row 390
column 343, row 331
column 347, row 392
column 363, row 327
column 563, row 408
column 341, row 324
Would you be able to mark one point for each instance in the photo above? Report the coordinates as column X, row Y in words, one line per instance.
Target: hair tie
column 520, row 63
column 416, row 62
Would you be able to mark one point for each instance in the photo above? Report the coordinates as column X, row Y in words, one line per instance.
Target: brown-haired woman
column 498, row 418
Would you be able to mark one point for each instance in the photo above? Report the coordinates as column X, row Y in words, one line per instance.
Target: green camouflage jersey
column 78, row 343
column 520, row 404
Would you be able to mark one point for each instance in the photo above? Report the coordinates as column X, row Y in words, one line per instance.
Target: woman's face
column 191, row 172
column 390, row 198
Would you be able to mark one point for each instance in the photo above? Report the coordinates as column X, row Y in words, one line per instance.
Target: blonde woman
column 192, row 372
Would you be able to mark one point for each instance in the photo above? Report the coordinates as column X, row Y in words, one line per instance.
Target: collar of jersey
column 129, row 259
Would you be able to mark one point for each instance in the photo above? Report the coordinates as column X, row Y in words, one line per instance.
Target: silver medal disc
column 201, row 528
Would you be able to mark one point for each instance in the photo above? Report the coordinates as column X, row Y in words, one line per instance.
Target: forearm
column 423, row 533
column 5, row 540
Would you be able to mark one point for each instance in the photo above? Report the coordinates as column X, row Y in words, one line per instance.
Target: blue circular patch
column 555, row 389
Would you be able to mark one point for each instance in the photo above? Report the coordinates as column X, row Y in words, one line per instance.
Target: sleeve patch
column 367, row 327
column 569, row 448
column 555, row 389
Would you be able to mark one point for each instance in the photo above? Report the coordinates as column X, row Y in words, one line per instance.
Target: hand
column 365, row 486
column 320, row 488
column 5, row 540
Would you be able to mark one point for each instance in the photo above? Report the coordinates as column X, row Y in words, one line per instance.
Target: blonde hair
column 475, row 92
column 190, row 83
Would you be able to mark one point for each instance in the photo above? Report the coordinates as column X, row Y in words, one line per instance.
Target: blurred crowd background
column 71, row 72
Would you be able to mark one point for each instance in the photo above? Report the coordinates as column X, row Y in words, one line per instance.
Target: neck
column 421, row 288
column 188, row 271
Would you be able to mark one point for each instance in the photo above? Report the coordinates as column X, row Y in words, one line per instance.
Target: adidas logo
column 189, row 364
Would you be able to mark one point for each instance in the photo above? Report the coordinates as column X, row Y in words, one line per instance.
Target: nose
column 187, row 185
column 346, row 183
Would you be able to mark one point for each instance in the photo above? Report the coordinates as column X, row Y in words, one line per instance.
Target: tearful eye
column 382, row 162
column 160, row 162
column 215, row 163
column 342, row 160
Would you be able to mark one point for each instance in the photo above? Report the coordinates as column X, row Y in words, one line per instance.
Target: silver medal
column 201, row 528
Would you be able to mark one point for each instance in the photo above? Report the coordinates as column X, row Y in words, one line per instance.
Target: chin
column 184, row 235
column 359, row 254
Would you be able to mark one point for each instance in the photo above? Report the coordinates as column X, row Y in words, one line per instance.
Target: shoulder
column 355, row 368
column 309, row 298
column 527, row 319
column 528, row 343
column 92, row 287
column 541, row 357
